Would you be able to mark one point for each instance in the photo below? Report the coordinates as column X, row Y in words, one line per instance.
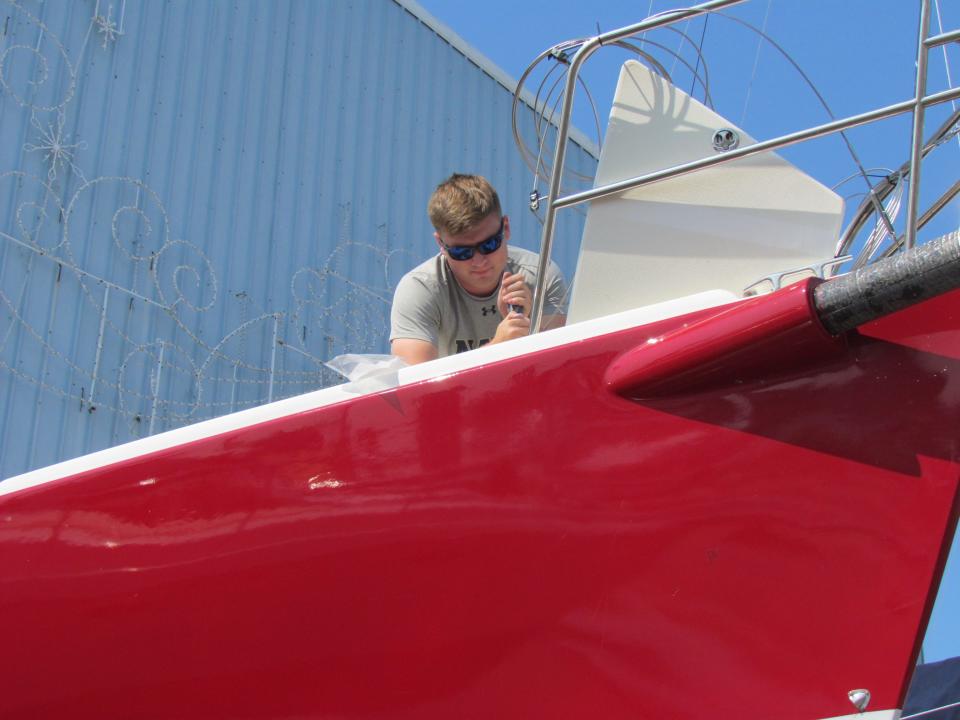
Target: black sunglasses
column 484, row 247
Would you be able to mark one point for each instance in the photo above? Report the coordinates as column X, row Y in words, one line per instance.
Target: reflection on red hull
column 514, row 540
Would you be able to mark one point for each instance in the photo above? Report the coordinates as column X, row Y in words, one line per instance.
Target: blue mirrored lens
column 485, row 247
column 460, row 253
column 491, row 244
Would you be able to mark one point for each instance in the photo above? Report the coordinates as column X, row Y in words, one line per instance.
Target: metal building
column 200, row 202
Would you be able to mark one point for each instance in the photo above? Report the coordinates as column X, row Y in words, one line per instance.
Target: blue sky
column 860, row 55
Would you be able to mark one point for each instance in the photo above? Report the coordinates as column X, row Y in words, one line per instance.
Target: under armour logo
column 488, row 310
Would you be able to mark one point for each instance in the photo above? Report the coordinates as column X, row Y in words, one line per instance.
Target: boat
column 704, row 503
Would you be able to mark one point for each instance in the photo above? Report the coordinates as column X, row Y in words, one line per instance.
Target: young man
column 461, row 298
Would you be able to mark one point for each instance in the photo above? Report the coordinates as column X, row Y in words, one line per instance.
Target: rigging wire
column 683, row 33
column 662, row 71
column 756, row 64
column 556, row 51
column 539, row 162
column 946, row 63
column 943, row 134
column 677, row 58
column 705, row 80
column 541, row 122
column 887, row 172
column 892, row 207
column 853, row 154
column 543, row 119
column 879, row 233
column 678, row 53
column 703, row 34
column 539, row 117
column 946, row 57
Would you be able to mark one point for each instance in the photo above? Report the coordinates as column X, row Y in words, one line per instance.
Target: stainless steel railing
column 554, row 202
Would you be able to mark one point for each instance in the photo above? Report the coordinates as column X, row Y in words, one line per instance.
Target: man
column 462, row 298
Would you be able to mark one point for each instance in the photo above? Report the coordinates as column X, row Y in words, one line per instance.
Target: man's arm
column 414, row 322
column 413, row 351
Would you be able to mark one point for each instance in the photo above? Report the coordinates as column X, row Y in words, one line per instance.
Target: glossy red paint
column 510, row 541
column 755, row 337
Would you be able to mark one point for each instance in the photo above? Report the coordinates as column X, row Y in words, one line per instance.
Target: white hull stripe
column 875, row 715
column 434, row 370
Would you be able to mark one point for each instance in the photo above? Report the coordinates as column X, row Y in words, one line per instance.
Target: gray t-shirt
column 430, row 305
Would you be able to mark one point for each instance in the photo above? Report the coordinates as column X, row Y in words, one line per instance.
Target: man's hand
column 513, row 326
column 514, row 291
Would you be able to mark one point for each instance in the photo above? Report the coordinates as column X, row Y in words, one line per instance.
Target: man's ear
column 506, row 228
column 436, row 236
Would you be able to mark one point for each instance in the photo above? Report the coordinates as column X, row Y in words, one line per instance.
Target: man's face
column 481, row 274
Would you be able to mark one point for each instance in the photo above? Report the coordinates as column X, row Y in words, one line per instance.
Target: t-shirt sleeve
column 415, row 313
column 556, row 289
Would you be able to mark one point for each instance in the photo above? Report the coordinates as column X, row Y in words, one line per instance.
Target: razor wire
column 154, row 279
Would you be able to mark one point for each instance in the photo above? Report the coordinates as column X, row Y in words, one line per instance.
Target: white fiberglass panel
column 725, row 227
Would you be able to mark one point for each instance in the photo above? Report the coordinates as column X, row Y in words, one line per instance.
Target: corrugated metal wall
column 202, row 201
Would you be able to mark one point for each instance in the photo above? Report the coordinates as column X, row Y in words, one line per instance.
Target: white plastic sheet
column 368, row 373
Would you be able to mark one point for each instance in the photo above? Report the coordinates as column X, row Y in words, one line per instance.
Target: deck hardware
column 534, row 200
column 775, row 280
column 860, row 699
column 725, row 140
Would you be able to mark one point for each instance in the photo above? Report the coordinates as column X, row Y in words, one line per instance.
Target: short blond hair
column 461, row 202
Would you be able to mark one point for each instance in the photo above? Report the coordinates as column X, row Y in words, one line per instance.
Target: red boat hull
column 514, row 540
